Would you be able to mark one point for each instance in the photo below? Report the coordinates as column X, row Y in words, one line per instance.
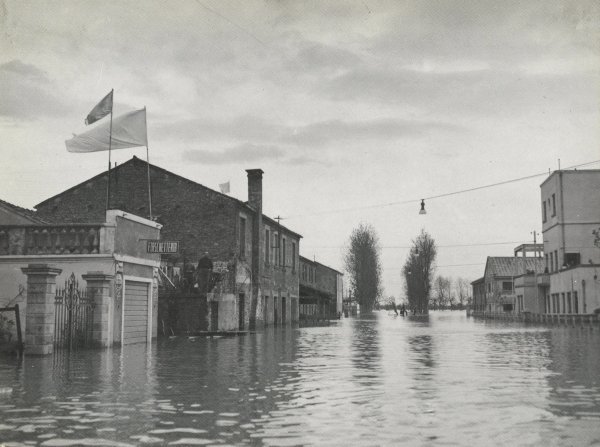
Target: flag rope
column 148, row 165
column 109, row 148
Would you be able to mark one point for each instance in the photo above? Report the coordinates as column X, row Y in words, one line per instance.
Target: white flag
column 224, row 187
column 128, row 130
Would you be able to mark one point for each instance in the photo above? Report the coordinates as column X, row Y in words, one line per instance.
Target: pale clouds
column 341, row 102
column 27, row 92
column 243, row 153
column 474, row 92
column 261, row 140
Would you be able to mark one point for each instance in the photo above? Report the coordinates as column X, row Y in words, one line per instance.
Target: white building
column 570, row 225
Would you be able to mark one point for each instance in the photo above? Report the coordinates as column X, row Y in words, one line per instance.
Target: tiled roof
column 24, row 212
column 197, row 185
column 512, row 265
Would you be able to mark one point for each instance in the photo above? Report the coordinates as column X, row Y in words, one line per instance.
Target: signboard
column 220, row 267
column 162, row 246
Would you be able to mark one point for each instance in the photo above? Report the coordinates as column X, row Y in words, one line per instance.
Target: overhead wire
column 462, row 191
column 439, row 246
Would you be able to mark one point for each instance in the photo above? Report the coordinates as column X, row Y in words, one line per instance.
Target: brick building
column 253, row 260
column 320, row 289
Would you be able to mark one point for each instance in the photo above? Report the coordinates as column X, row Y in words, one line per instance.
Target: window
column 489, row 287
column 572, row 259
column 556, row 267
column 563, row 308
column 267, row 246
column 283, row 256
column 575, row 303
column 507, row 286
column 293, row 256
column 553, row 205
column 276, row 248
column 544, row 211
column 569, row 310
column 242, row 238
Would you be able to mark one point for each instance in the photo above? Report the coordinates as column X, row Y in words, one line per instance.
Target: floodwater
column 384, row 380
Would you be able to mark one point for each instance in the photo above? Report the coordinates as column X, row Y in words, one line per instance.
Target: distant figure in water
column 403, row 310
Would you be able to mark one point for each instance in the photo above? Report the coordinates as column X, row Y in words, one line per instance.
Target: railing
column 50, row 239
column 499, row 315
column 564, row 319
column 555, row 319
column 316, row 319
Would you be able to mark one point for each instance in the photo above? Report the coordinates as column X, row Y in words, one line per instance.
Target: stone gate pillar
column 99, row 287
column 39, row 318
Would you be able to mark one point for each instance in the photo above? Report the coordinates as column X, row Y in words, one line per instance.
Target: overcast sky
column 352, row 109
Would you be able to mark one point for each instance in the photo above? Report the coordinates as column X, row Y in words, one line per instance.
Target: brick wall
column 200, row 218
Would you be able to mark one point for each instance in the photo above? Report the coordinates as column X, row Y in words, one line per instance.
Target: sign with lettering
column 220, row 267
column 162, row 246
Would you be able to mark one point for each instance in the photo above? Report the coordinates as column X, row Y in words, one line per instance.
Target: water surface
column 379, row 380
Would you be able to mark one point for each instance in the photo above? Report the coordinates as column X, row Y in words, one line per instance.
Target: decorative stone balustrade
column 50, row 239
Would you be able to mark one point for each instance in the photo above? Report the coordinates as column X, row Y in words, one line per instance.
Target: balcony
column 65, row 239
column 543, row 280
column 506, row 299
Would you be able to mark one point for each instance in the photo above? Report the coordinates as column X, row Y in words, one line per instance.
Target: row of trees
column 450, row 294
column 423, row 292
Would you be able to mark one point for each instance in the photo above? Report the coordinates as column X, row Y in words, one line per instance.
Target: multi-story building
column 571, row 226
column 253, row 260
column 503, row 287
column 320, row 289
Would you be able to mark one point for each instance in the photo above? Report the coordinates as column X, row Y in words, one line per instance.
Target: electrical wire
column 439, row 246
column 462, row 191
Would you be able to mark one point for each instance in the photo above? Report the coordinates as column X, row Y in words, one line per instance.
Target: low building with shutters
column 254, row 279
column 321, row 290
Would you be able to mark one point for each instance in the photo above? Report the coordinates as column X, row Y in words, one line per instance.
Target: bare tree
column 462, row 288
column 364, row 266
column 418, row 271
column 442, row 292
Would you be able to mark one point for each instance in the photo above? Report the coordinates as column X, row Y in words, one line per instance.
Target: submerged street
column 379, row 380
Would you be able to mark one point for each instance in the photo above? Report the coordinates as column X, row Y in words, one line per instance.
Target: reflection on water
column 382, row 380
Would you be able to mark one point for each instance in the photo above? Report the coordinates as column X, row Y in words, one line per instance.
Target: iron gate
column 74, row 316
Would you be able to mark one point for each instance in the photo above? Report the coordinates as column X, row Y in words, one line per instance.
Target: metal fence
column 74, row 316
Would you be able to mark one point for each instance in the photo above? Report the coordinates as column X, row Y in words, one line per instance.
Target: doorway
column 241, row 311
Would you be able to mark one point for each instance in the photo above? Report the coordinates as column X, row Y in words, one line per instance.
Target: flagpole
column 148, row 165
column 109, row 148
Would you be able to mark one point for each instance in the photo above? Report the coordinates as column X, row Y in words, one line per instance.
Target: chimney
column 255, row 202
column 255, row 189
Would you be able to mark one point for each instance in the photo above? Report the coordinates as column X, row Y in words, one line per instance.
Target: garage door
column 135, row 312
